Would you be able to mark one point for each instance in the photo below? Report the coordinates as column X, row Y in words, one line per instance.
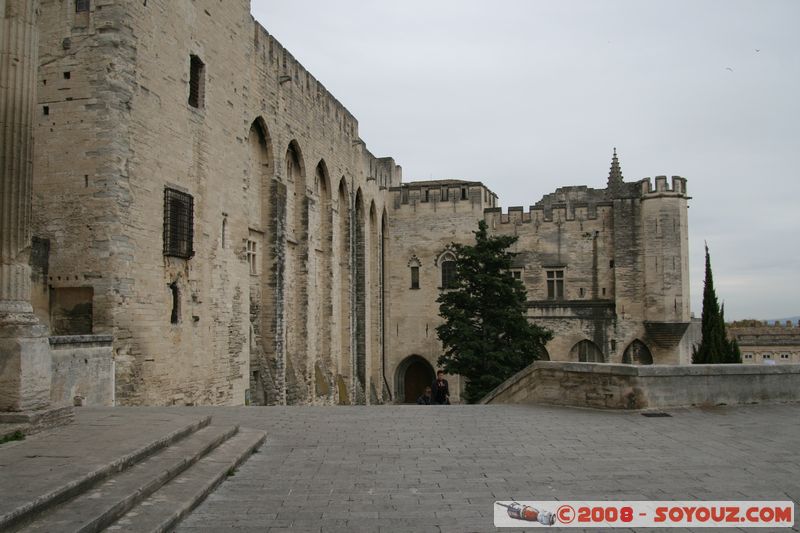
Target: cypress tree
column 714, row 348
column 486, row 334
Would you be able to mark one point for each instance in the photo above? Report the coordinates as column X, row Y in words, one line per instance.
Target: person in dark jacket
column 441, row 389
column 426, row 398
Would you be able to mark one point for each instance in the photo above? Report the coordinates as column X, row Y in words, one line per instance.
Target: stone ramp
column 85, row 476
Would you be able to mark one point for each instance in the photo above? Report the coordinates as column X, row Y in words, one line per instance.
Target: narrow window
column 611, row 264
column 224, row 233
column 415, row 277
column 426, row 195
column 444, row 194
column 581, row 292
column 197, row 72
column 555, row 284
column 178, row 224
column 463, row 193
column 252, row 257
column 46, row 110
column 176, row 302
column 81, row 6
column 449, row 274
column 516, row 274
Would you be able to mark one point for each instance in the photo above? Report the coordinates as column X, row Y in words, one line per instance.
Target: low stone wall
column 83, row 370
column 612, row 386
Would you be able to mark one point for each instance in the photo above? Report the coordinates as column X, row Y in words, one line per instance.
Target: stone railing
column 613, row 386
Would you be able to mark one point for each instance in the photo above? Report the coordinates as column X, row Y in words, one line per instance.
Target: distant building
column 763, row 343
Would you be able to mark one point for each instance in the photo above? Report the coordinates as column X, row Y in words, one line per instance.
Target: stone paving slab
column 417, row 468
column 55, row 460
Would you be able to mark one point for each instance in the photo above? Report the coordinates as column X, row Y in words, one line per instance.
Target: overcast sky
column 527, row 96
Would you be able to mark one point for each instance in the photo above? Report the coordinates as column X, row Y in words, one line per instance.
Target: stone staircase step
column 30, row 509
column 103, row 504
column 165, row 508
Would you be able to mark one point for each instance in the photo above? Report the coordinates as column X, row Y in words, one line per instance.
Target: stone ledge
column 60, row 341
column 34, row 421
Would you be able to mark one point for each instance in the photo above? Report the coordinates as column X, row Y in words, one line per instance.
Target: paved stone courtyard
column 415, row 468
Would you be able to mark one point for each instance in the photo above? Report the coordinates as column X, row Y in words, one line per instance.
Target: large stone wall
column 611, row 386
column 115, row 129
column 83, row 370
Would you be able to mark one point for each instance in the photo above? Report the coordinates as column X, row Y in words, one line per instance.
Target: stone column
column 25, row 367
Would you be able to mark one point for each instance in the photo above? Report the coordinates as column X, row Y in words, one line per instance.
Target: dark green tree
column 486, row 335
column 714, row 348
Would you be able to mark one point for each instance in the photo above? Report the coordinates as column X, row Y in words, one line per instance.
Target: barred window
column 197, row 74
column 555, row 284
column 178, row 224
column 81, row 6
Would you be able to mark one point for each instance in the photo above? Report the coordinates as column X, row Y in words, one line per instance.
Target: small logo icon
column 565, row 514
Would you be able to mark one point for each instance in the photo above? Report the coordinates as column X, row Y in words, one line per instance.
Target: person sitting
column 425, row 398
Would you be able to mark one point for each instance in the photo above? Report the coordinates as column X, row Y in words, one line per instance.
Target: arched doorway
column 637, row 353
column 586, row 352
column 413, row 375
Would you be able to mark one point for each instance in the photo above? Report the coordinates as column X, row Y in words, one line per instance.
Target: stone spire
column 615, row 174
column 25, row 373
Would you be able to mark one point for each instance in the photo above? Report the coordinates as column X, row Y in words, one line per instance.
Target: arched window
column 637, row 353
column 449, row 274
column 447, row 263
column 586, row 351
column 413, row 266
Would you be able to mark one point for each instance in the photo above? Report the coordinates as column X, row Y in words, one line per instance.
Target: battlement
column 678, row 186
column 552, row 213
column 291, row 72
column 435, row 192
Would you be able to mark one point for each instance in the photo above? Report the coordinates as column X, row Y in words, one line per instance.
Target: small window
column 197, row 73
column 748, row 356
column 252, row 257
column 224, row 233
column 426, row 195
column 178, row 224
column 767, row 356
column 555, row 284
column 581, row 292
column 176, row 303
column 415, row 277
column 611, row 264
column 449, row 274
column 463, row 193
column 444, row 194
column 81, row 6
column 516, row 274
column 784, row 356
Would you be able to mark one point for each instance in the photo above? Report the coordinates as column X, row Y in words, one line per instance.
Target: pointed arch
column 322, row 233
column 586, row 351
column 345, row 278
column 297, row 257
column 265, row 282
column 359, row 274
column 374, row 350
column 412, row 375
column 637, row 353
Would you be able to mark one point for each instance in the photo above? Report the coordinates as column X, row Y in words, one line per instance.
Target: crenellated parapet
column 552, row 213
column 676, row 187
